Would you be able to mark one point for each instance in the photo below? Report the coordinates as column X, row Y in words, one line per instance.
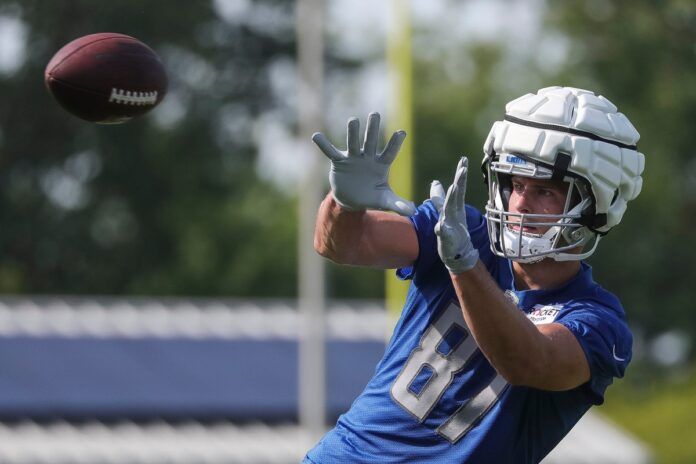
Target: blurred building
column 106, row 380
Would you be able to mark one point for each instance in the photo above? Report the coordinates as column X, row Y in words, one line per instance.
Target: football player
column 505, row 339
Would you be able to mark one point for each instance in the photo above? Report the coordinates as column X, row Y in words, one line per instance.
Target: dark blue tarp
column 142, row 379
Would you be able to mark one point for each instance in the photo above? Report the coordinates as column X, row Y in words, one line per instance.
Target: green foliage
column 171, row 207
column 449, row 121
column 659, row 413
column 174, row 205
column 640, row 54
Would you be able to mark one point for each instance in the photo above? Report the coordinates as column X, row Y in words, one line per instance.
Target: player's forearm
column 337, row 231
column 512, row 343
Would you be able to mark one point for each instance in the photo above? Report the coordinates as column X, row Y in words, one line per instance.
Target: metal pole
column 311, row 382
column 400, row 116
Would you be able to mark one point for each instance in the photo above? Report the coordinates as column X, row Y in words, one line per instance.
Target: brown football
column 106, row 78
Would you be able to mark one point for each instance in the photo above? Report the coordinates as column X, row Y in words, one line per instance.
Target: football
column 107, row 78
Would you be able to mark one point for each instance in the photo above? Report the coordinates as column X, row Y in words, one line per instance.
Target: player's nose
column 520, row 203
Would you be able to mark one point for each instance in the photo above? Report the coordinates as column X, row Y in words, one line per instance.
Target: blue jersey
column 434, row 397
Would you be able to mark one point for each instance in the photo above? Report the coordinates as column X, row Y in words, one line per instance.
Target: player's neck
column 544, row 274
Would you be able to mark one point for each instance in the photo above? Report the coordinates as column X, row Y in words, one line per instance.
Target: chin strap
column 520, row 246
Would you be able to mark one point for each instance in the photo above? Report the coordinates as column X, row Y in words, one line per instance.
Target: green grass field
column 662, row 414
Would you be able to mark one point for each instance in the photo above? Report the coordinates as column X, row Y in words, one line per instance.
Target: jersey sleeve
column 606, row 341
column 424, row 223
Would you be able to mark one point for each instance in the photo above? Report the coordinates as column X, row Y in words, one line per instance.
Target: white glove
column 453, row 241
column 358, row 176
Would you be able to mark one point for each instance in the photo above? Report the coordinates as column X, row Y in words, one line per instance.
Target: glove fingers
column 460, row 183
column 462, row 171
column 327, row 147
column 353, row 138
column 437, row 195
column 392, row 148
column 371, row 134
column 453, row 241
column 449, row 209
column 393, row 202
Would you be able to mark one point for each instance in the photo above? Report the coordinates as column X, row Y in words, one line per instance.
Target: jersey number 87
column 438, row 361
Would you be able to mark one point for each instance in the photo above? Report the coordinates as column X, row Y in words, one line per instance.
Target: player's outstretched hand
column 358, row 176
column 453, row 240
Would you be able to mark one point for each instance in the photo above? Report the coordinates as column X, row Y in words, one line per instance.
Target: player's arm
column 364, row 238
column 352, row 225
column 547, row 356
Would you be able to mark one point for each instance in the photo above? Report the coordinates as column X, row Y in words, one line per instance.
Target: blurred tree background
column 642, row 56
column 198, row 197
column 167, row 205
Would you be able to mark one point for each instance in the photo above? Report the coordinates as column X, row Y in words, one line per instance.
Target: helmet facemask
column 563, row 238
column 563, row 134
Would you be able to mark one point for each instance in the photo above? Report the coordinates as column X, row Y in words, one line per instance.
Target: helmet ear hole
column 582, row 195
column 575, row 196
column 505, row 186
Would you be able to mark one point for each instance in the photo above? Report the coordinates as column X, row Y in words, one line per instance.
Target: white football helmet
column 566, row 134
